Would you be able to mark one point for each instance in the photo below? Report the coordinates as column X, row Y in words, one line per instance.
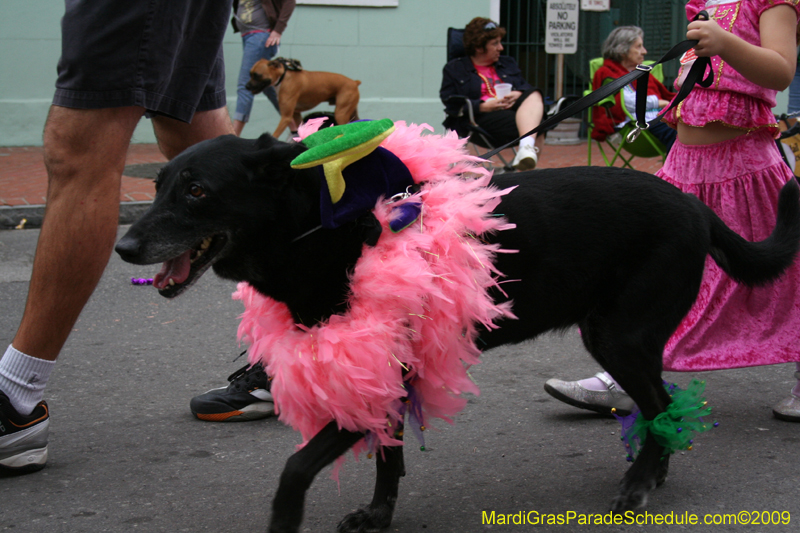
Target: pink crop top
column 731, row 100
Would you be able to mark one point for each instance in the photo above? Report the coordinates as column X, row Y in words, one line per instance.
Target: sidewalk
column 23, row 184
column 23, row 179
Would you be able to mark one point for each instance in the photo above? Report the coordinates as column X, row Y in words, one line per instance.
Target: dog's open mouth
column 179, row 273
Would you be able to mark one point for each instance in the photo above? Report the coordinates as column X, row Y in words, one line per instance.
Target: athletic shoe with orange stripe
column 23, row 439
column 247, row 397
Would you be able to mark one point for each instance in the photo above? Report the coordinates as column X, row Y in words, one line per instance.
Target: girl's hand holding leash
column 709, row 36
column 770, row 65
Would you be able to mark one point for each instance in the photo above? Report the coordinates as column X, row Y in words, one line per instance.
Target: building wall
column 397, row 53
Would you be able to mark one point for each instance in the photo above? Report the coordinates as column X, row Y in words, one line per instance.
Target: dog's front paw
column 369, row 520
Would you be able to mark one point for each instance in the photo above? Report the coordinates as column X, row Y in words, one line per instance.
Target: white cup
column 502, row 89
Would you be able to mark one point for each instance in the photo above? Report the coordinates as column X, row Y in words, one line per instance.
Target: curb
column 12, row 216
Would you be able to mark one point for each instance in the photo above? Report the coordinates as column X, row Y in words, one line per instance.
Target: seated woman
column 623, row 49
column 475, row 77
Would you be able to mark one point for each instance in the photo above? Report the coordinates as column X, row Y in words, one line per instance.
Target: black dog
column 620, row 253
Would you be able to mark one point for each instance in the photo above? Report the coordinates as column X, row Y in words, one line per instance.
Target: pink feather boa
column 416, row 300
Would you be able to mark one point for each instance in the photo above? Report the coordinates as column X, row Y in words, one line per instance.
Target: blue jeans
column 794, row 93
column 253, row 50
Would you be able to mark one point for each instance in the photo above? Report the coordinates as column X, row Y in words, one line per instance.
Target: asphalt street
column 127, row 455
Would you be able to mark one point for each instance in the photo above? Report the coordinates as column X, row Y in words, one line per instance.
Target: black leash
column 695, row 76
column 791, row 132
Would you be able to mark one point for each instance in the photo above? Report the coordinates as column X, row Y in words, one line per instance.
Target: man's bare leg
column 84, row 152
column 175, row 136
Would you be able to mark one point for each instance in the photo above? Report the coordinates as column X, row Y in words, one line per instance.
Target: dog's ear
column 265, row 141
column 272, row 160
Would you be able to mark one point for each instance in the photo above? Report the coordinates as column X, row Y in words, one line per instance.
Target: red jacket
column 605, row 120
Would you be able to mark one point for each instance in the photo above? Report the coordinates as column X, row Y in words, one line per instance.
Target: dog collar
column 306, row 234
column 288, row 64
column 277, row 84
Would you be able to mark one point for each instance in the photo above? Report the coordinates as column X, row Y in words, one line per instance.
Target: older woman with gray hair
column 623, row 49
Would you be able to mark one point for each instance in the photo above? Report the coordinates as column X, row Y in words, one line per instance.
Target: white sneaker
column 526, row 158
column 23, row 438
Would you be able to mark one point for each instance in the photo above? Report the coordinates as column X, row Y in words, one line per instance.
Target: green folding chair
column 645, row 145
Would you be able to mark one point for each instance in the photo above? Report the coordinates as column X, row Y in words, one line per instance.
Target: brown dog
column 300, row 90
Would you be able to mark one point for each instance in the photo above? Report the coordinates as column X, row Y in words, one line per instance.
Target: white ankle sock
column 595, row 384
column 23, row 379
column 527, row 141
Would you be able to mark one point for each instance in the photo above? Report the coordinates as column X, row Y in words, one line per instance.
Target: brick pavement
column 23, row 180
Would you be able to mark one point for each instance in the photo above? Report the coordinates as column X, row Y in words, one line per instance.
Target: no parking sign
column 561, row 35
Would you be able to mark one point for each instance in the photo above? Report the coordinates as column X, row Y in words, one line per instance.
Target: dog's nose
column 128, row 248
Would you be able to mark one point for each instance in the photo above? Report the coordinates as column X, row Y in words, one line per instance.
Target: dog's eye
column 196, row 190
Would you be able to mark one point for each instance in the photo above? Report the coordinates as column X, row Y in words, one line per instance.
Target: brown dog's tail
column 758, row 263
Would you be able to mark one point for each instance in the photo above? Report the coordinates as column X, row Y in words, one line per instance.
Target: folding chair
column 477, row 135
column 645, row 145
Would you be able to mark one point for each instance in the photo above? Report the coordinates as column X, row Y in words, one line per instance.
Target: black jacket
column 459, row 77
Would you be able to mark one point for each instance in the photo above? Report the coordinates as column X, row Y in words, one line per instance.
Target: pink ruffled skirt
column 731, row 325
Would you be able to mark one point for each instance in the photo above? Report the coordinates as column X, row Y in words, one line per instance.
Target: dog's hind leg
column 300, row 470
column 346, row 106
column 378, row 514
column 636, row 366
column 649, row 469
column 627, row 333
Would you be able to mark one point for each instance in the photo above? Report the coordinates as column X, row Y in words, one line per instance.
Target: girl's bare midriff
column 708, row 134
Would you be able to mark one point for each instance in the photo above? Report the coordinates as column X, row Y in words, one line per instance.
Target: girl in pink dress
column 725, row 154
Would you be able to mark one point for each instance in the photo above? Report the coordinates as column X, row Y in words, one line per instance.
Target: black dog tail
column 757, row 263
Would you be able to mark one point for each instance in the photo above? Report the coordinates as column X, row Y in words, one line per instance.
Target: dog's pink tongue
column 176, row 269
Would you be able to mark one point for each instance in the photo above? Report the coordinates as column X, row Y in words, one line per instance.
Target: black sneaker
column 246, row 398
column 23, row 439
